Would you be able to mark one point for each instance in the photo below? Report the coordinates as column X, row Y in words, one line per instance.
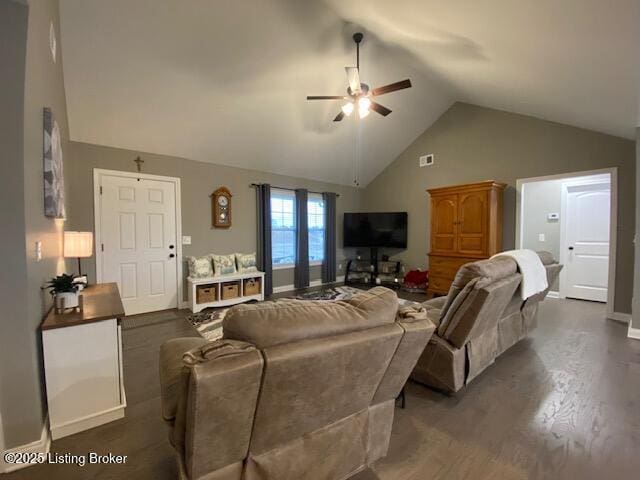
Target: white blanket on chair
column 534, row 275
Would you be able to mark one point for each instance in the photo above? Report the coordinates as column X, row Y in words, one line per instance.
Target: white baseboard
column 283, row 288
column 620, row 317
column 553, row 294
column 88, row 421
column 633, row 332
column 313, row 283
column 43, row 445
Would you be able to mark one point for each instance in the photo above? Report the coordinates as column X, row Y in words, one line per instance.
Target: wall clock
column 221, row 208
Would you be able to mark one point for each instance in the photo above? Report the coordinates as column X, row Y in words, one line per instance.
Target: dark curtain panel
column 301, row 273
column 263, row 251
column 329, row 263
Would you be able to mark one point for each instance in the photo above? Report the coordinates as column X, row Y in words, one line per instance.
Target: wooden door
column 444, row 222
column 587, row 241
column 472, row 223
column 138, row 225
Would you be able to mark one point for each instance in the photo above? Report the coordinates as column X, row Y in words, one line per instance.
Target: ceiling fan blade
column 392, row 87
column 382, row 110
column 326, row 97
column 339, row 117
column 353, row 75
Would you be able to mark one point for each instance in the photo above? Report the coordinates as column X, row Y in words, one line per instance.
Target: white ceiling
column 225, row 81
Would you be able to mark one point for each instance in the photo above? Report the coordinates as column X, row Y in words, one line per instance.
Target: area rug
column 341, row 293
column 329, row 293
column 209, row 321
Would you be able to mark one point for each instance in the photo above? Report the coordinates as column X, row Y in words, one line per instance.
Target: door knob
column 570, row 248
column 171, row 247
column 171, row 255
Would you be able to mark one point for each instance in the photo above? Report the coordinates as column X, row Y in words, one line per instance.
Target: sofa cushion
column 474, row 275
column 455, row 300
column 268, row 324
column 437, row 302
column 434, row 316
column 492, row 270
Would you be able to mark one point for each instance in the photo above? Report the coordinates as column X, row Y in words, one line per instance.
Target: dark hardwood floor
column 562, row 404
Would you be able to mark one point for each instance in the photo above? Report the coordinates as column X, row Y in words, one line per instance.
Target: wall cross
column 139, row 163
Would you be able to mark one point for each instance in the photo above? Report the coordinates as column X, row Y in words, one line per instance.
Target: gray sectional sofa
column 481, row 317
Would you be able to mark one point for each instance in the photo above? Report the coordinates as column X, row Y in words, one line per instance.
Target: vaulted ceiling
column 225, row 81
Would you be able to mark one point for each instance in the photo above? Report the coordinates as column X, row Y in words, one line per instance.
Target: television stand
column 372, row 272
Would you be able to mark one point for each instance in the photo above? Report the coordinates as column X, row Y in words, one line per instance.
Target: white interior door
column 139, row 241
column 587, row 215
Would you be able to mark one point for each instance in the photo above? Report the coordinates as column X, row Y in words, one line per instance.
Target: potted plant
column 64, row 291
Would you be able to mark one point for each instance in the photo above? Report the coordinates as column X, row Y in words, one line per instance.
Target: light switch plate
column 38, row 251
column 186, row 240
column 541, row 237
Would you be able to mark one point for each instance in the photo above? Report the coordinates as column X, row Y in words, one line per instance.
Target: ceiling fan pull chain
column 356, row 159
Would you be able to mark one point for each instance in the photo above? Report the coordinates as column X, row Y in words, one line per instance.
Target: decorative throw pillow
column 246, row 262
column 224, row 265
column 200, row 267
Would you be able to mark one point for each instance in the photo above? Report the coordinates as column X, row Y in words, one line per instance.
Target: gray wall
column 540, row 199
column 198, row 180
column 473, row 143
column 24, row 222
column 13, row 276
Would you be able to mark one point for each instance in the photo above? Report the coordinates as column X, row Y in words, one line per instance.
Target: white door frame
column 97, row 215
column 613, row 227
column 593, row 180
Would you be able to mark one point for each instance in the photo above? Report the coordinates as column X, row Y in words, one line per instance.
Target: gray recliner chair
column 295, row 389
column 482, row 316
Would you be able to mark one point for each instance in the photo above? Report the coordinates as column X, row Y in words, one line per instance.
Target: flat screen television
column 388, row 229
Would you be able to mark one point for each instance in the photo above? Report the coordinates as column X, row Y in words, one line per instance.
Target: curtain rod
column 290, row 189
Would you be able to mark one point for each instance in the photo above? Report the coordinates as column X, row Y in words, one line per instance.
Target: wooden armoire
column 466, row 225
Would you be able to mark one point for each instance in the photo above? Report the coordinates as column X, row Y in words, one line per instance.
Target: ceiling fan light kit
column 358, row 92
column 347, row 108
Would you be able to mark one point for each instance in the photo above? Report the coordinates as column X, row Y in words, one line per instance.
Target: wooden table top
column 101, row 302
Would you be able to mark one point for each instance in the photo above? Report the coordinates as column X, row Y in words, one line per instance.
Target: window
column 315, row 218
column 283, row 228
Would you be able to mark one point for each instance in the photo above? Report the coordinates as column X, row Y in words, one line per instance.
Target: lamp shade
column 78, row 244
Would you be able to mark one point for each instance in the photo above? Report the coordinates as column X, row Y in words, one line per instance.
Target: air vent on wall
column 426, row 160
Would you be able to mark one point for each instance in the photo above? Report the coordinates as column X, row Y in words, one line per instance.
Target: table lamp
column 78, row 245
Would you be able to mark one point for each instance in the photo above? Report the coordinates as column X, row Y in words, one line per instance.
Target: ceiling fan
column 359, row 93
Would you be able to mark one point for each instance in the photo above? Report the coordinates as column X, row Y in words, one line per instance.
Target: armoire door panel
column 444, row 219
column 469, row 244
column 472, row 212
column 472, row 226
column 444, row 244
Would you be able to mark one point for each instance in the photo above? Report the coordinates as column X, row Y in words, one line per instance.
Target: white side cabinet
column 83, row 363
